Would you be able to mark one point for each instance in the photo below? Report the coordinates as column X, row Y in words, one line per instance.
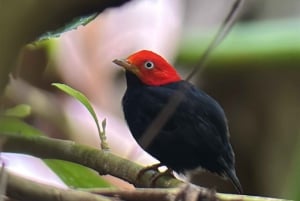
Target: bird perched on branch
column 180, row 125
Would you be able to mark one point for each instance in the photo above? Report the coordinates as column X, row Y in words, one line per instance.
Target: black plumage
column 196, row 135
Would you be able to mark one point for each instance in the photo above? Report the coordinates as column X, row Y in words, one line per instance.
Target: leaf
column 80, row 97
column 76, row 22
column 20, row 111
column 77, row 176
column 14, row 125
column 83, row 99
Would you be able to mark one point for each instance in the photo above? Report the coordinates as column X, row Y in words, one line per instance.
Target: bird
column 196, row 134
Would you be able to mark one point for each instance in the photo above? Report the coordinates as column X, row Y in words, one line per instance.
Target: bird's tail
column 230, row 173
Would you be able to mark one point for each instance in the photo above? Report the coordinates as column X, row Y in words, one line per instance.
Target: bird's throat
column 132, row 80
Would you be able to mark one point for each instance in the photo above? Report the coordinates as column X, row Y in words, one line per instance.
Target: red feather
column 161, row 73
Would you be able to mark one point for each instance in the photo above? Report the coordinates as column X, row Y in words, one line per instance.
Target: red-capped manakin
column 196, row 134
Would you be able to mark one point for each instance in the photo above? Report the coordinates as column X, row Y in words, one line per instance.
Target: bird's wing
column 198, row 122
column 199, row 118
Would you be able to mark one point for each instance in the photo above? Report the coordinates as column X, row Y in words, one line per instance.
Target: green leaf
column 20, row 111
column 77, row 176
column 83, row 99
column 80, row 97
column 76, row 22
column 14, row 125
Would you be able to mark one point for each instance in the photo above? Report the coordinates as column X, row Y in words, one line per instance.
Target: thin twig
column 24, row 189
column 221, row 34
column 186, row 192
column 3, row 181
column 145, row 194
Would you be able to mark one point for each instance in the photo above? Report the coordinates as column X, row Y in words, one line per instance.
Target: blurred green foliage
column 73, row 175
column 20, row 111
column 256, row 44
column 15, row 125
column 78, row 21
column 77, row 176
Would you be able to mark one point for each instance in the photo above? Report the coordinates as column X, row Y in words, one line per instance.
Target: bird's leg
column 154, row 167
column 168, row 172
column 145, row 169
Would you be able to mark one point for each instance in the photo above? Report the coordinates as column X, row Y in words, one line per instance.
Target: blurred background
column 254, row 75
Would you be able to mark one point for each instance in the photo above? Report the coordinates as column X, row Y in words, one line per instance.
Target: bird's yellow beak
column 127, row 65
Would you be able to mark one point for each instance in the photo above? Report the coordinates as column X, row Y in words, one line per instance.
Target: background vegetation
column 254, row 74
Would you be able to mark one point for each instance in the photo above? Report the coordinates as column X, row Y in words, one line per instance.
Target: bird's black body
column 196, row 135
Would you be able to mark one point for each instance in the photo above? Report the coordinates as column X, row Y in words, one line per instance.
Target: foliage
column 83, row 99
column 75, row 175
column 14, row 121
column 74, row 24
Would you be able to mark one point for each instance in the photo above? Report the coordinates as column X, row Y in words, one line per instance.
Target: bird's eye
column 149, row 65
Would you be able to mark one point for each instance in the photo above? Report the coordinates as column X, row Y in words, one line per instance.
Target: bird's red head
column 150, row 68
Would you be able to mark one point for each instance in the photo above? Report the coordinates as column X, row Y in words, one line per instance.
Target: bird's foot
column 168, row 172
column 145, row 169
column 154, row 167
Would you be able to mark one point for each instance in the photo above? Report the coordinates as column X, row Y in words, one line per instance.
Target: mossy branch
column 103, row 162
column 23, row 189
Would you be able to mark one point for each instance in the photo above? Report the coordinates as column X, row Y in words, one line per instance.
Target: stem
column 102, row 134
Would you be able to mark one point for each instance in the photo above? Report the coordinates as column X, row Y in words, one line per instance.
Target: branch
column 185, row 193
column 161, row 194
column 103, row 162
column 23, row 189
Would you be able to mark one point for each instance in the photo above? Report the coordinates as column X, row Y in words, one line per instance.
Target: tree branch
column 23, row 189
column 103, row 162
column 165, row 194
column 185, row 192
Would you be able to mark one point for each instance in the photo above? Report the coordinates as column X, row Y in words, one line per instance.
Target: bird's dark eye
column 149, row 65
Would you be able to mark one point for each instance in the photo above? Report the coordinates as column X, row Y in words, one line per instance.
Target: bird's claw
column 168, row 172
column 156, row 176
column 145, row 169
